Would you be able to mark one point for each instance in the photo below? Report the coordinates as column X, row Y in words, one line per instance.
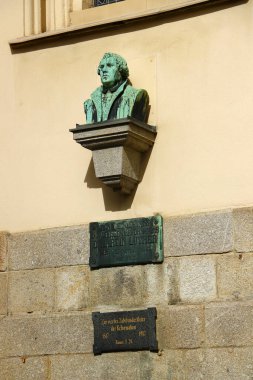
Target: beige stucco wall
column 199, row 75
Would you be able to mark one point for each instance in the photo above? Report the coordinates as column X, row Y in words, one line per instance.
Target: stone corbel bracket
column 117, row 149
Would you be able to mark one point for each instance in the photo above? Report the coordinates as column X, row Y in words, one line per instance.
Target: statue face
column 109, row 72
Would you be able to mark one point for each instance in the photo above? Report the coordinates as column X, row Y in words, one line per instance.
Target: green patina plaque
column 126, row 242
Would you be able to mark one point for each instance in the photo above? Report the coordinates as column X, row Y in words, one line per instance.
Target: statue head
column 112, row 69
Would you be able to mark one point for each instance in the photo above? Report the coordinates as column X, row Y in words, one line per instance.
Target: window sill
column 182, row 7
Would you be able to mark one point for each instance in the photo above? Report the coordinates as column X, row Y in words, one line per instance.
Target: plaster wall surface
column 198, row 71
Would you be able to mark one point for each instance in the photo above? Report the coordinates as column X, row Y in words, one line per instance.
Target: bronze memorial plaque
column 126, row 242
column 125, row 331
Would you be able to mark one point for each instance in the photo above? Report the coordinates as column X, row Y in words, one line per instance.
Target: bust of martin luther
column 116, row 98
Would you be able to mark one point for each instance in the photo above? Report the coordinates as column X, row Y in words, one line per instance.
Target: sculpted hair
column 120, row 62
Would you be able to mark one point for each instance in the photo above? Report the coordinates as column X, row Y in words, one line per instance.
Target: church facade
column 194, row 58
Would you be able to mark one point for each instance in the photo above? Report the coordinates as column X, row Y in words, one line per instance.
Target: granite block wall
column 203, row 293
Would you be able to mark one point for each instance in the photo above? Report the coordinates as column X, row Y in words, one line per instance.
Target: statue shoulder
column 97, row 93
column 91, row 106
column 135, row 92
column 141, row 106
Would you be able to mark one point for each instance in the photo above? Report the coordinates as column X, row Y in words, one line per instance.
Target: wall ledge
column 118, row 22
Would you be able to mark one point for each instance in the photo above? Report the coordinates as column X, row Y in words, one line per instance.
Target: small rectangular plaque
column 126, row 242
column 125, row 331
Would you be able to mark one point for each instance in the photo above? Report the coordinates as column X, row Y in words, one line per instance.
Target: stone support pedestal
column 117, row 148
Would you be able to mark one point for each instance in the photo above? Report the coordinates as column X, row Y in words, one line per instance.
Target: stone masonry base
column 203, row 293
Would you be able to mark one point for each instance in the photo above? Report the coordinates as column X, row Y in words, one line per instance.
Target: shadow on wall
column 113, row 200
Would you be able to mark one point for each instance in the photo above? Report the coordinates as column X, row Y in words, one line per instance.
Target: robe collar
column 112, row 89
column 96, row 97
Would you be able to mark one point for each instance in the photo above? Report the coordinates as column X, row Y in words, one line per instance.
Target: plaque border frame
column 151, row 314
column 157, row 257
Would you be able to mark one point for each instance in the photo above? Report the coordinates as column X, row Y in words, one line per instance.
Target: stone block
column 118, row 148
column 194, row 362
column 229, row 324
column 3, row 251
column 243, row 229
column 24, row 368
column 197, row 278
column 161, row 283
column 31, row 290
column 235, row 276
column 123, row 365
column 72, row 288
column 168, row 364
column 116, row 161
column 121, row 286
column 180, row 327
column 118, row 167
column 218, row 364
column 30, row 335
column 198, row 234
column 3, row 293
column 54, row 247
column 229, row 364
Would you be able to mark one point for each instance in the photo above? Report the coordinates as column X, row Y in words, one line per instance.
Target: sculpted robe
column 117, row 103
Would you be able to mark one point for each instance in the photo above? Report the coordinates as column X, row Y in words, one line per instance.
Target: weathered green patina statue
column 116, row 98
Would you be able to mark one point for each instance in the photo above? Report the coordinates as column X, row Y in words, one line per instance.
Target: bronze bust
column 116, row 98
